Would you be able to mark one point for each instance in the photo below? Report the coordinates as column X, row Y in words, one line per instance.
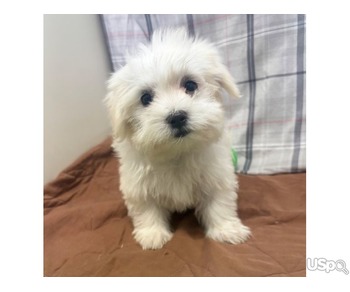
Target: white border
column 328, row 144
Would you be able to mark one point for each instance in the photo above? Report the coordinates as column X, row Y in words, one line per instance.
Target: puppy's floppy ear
column 227, row 82
column 116, row 110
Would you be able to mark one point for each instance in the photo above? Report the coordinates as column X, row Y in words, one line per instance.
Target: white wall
column 76, row 67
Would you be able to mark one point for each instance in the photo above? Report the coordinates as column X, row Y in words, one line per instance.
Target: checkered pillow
column 266, row 56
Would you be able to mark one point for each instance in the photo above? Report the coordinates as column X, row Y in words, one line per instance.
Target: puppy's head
column 168, row 96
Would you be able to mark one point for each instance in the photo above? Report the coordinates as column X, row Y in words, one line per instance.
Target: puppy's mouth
column 180, row 133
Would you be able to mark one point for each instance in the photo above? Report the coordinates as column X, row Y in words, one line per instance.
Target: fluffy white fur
column 161, row 173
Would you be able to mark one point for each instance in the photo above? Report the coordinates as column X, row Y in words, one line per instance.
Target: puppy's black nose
column 177, row 120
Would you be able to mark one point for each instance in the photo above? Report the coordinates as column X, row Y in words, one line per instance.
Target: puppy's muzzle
column 178, row 122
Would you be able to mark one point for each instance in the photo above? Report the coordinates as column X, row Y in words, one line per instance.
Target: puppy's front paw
column 152, row 238
column 234, row 233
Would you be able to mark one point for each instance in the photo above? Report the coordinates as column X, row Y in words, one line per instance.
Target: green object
column 234, row 158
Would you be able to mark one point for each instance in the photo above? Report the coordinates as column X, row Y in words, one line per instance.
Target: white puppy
column 168, row 129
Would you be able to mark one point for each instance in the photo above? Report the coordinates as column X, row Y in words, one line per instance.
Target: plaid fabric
column 266, row 56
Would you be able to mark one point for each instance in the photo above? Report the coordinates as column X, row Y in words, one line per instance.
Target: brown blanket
column 88, row 233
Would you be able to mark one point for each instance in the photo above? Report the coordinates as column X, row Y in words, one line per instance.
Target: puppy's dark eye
column 146, row 99
column 190, row 86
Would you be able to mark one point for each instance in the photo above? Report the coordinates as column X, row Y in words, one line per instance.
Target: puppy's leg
column 219, row 216
column 151, row 224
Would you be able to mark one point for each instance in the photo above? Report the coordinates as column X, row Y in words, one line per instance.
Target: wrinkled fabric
column 87, row 231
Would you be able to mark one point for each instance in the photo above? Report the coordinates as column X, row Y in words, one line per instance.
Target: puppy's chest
column 174, row 187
